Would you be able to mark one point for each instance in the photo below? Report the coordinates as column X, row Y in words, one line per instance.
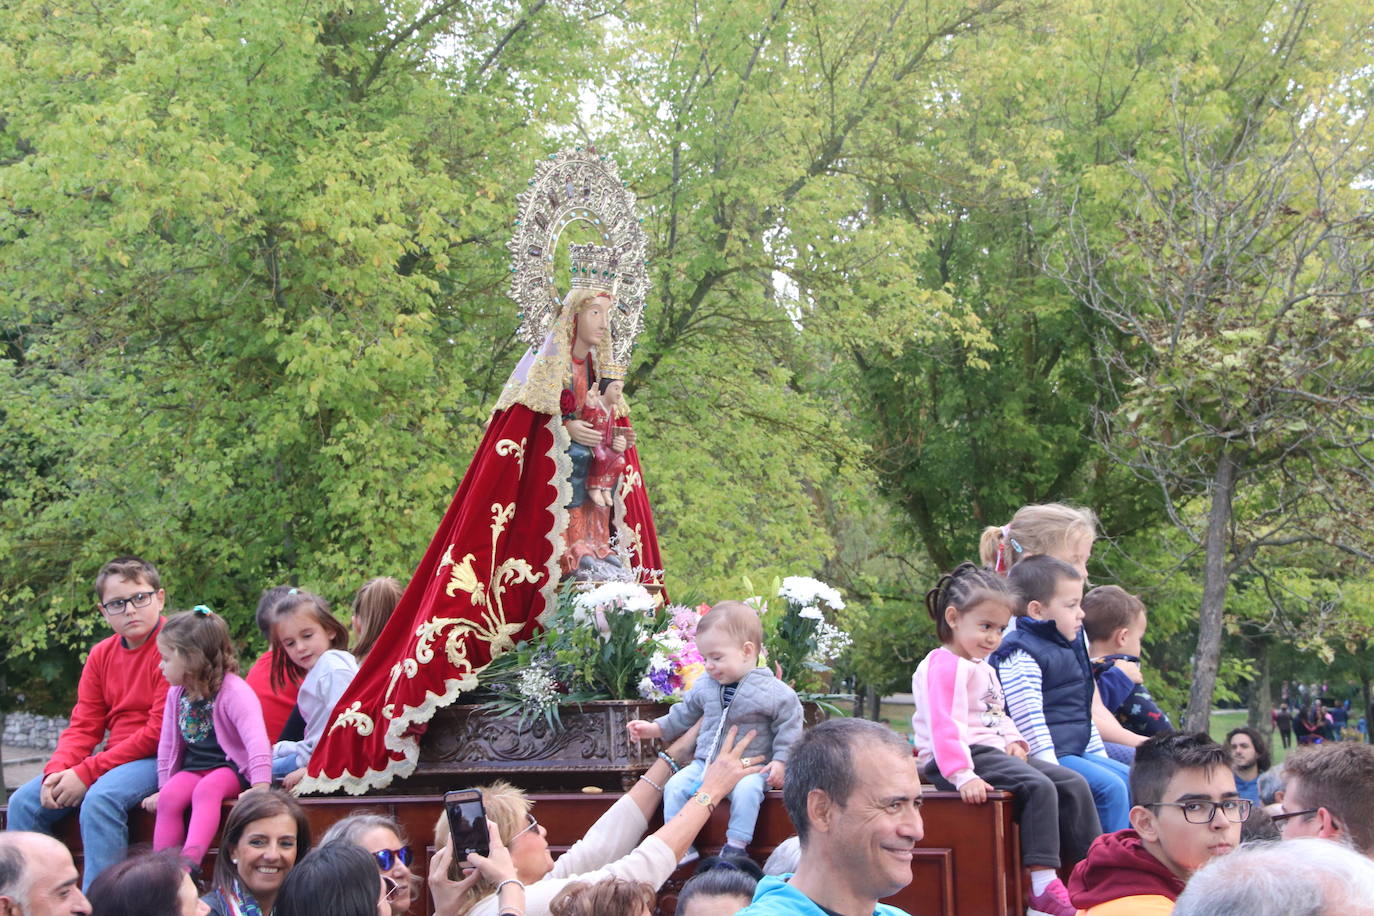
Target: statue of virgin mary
column 521, row 519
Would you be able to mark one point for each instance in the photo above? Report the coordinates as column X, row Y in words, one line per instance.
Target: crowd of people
column 1036, row 689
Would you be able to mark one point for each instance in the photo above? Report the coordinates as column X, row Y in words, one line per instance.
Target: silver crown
column 593, row 267
column 580, row 185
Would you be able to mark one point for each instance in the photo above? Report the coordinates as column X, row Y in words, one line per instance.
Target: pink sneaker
column 1053, row 902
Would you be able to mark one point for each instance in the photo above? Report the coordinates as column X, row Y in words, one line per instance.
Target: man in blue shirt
column 854, row 796
column 1249, row 758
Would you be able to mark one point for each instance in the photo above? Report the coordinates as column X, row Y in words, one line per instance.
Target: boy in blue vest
column 1048, row 682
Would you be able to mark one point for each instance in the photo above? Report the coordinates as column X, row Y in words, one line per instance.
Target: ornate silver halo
column 572, row 185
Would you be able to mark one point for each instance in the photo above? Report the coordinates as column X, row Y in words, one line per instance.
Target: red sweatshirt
column 1120, row 876
column 121, row 691
column 276, row 704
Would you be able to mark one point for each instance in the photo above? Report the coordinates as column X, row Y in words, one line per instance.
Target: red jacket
column 276, row 703
column 1117, row 866
column 121, row 691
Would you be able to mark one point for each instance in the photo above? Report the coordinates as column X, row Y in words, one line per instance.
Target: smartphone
column 467, row 828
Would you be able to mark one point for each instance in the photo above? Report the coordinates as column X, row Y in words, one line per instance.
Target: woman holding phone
column 614, row 846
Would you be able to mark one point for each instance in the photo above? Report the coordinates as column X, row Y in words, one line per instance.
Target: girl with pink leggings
column 214, row 743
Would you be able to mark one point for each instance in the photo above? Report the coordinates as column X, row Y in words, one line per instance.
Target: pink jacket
column 958, row 704
column 238, row 729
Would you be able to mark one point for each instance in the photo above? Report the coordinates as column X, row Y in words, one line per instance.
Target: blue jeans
column 103, row 813
column 1110, row 782
column 745, row 800
column 283, row 766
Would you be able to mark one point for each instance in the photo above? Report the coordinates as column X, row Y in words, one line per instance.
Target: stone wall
column 24, row 729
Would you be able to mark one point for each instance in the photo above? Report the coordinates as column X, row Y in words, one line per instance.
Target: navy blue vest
column 1066, row 680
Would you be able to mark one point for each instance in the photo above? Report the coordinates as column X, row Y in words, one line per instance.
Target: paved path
column 22, row 764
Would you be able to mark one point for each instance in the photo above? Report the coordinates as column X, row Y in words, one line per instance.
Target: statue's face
column 593, row 320
column 613, row 392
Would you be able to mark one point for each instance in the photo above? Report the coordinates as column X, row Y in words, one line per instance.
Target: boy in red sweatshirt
column 1187, row 812
column 121, row 691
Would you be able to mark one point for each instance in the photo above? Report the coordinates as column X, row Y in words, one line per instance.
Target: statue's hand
column 583, row 433
column 629, row 433
column 619, row 443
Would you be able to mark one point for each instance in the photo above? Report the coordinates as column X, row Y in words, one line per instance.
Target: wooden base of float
column 967, row 865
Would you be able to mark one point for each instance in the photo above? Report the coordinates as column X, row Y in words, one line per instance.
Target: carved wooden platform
column 978, row 844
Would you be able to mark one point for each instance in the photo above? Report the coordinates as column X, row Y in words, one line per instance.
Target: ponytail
column 961, row 589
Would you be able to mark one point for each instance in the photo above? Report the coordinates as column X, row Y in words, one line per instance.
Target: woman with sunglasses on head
column 615, row 846
column 386, row 840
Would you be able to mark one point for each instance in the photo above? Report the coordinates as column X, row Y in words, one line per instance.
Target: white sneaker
column 690, row 856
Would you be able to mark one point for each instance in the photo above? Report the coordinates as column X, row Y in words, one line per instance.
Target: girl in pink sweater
column 214, row 743
column 965, row 740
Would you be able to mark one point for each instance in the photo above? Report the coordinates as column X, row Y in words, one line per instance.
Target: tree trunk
column 1207, row 658
column 1261, row 693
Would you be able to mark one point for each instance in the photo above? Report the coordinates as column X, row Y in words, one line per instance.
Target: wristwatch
column 703, row 799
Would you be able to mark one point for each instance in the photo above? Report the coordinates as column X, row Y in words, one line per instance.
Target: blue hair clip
column 1015, row 545
column 201, row 610
column 293, row 591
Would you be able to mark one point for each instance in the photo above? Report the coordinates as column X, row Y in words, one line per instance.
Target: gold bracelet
column 703, row 799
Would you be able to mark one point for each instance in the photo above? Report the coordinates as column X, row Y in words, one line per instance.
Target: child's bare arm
column 641, row 729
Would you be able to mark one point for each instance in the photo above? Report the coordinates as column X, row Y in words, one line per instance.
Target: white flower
column 807, row 592
column 537, row 685
column 830, row 641
column 811, row 613
column 628, row 596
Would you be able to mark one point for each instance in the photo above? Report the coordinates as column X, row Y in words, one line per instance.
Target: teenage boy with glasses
column 1187, row 812
column 121, row 691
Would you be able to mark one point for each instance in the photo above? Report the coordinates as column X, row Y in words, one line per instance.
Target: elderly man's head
column 1307, row 877
column 38, row 877
column 1328, row 794
column 853, row 794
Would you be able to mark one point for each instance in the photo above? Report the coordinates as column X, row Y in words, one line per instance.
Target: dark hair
column 131, row 568
column 1109, row 608
column 1163, row 755
column 720, row 876
column 1337, row 777
column 1261, row 746
column 142, row 885
column 1036, row 578
column 202, row 639
column 267, row 603
column 605, row 382
column 372, row 608
column 608, row 897
column 824, row 759
column 336, row 879
column 963, row 589
column 283, row 668
column 254, row 805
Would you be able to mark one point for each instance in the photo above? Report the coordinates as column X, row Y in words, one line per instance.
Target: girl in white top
column 309, row 641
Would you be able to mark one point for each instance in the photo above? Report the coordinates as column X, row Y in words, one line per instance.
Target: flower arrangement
column 616, row 641
column 801, row 643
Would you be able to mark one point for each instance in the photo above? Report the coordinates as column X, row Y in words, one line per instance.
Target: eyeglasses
column 1281, row 819
column 387, row 858
column 390, row 886
column 526, row 829
column 1236, row 810
column 116, row 606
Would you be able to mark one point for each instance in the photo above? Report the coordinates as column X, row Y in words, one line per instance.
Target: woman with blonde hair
column 614, row 847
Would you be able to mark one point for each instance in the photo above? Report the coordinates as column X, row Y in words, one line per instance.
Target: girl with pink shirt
column 965, row 740
column 214, row 743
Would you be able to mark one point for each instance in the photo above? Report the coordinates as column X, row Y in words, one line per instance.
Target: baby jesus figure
column 608, row 457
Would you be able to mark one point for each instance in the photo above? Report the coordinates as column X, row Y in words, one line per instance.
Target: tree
column 1239, row 271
